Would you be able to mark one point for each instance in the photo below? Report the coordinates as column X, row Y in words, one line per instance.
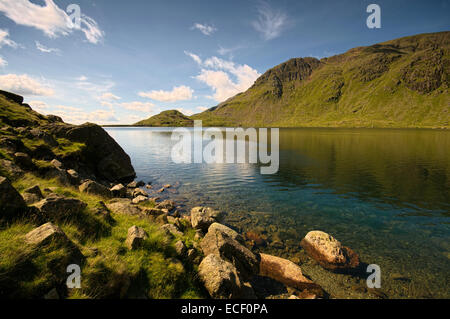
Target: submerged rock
column 220, row 278
column 284, row 271
column 166, row 204
column 203, row 217
column 329, row 252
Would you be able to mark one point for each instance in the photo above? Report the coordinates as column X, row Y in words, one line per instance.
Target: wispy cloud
column 178, row 93
column 5, row 40
column 146, row 107
column 3, row 62
column 45, row 49
column 270, row 22
column 204, row 28
column 218, row 73
column 24, row 85
column 50, row 19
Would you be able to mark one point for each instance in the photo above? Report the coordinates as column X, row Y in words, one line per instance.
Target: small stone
column 57, row 164
column 203, row 217
column 139, row 192
column 119, row 190
column 139, row 199
column 180, row 248
column 171, row 229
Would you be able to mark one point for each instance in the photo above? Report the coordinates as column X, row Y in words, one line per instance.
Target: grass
column 113, row 271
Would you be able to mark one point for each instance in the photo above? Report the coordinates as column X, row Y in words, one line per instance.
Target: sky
column 128, row 60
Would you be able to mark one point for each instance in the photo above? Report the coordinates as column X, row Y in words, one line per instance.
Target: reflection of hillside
column 407, row 166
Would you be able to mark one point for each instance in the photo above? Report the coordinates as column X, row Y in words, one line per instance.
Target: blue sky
column 129, row 60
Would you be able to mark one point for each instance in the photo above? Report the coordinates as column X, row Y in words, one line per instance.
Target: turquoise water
column 385, row 193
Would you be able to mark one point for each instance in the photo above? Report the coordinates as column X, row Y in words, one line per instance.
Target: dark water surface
column 385, row 193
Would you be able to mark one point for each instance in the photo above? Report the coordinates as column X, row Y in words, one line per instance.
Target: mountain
column 167, row 118
column 398, row 83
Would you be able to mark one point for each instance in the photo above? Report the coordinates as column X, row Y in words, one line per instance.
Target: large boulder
column 103, row 155
column 329, row 252
column 218, row 242
column 170, row 229
column 220, row 278
column 284, row 271
column 135, row 237
column 11, row 203
column 203, row 217
column 94, row 188
column 59, row 207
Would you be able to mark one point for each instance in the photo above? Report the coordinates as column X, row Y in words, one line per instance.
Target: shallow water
column 384, row 193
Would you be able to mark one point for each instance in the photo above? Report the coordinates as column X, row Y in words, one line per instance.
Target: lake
column 383, row 192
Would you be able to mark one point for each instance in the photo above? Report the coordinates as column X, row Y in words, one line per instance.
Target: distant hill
column 167, row 118
column 399, row 83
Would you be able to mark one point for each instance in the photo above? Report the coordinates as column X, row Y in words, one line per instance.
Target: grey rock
column 11, row 203
column 203, row 217
column 135, row 237
column 94, row 188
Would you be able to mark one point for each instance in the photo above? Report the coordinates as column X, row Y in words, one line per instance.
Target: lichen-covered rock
column 180, row 248
column 171, row 229
column 227, row 230
column 135, row 237
column 284, row 271
column 123, row 206
column 32, row 195
column 139, row 199
column 329, row 252
column 217, row 242
column 60, row 207
column 11, row 169
column 11, row 203
column 94, row 188
column 74, row 177
column 203, row 217
column 50, row 233
column 220, row 278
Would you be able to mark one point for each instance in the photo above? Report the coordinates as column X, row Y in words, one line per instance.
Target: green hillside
column 167, row 118
column 399, row 83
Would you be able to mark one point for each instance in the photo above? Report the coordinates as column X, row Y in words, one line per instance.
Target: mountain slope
column 399, row 83
column 167, row 118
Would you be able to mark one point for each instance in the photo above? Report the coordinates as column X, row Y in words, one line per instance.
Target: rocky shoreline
column 55, row 177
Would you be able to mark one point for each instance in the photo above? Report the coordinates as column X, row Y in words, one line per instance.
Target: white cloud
column 24, row 85
column 3, row 62
column 178, row 93
column 109, row 97
column 38, row 106
column 49, row 18
column 4, row 39
column 204, row 28
column 194, row 57
column 82, row 78
column 45, row 49
column 217, row 73
column 78, row 116
column 202, row 108
column 139, row 106
column 270, row 22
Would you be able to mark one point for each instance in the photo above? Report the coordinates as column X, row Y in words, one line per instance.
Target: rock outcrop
column 329, row 252
column 11, row 203
column 103, row 155
column 58, row 207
